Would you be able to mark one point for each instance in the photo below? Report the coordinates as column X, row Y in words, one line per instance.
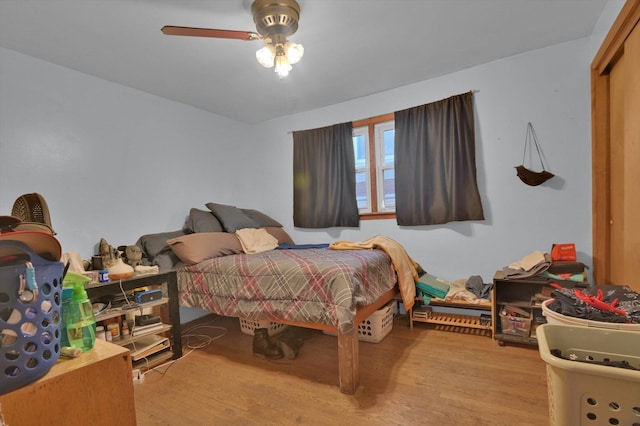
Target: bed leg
column 348, row 363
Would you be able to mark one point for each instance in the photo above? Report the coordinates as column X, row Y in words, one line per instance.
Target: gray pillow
column 165, row 260
column 154, row 244
column 231, row 218
column 262, row 219
column 202, row 221
column 280, row 234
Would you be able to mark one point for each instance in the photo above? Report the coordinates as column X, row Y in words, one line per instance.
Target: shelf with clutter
column 520, row 289
column 451, row 306
column 134, row 305
column 138, row 326
column 138, row 308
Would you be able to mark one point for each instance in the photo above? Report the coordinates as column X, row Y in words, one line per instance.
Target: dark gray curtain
column 324, row 182
column 435, row 163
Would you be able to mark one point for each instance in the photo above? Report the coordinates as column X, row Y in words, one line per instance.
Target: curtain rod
column 472, row 91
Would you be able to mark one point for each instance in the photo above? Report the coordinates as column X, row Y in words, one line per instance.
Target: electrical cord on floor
column 202, row 341
column 165, row 365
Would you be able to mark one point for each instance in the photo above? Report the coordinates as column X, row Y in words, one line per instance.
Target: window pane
column 385, row 163
column 389, row 136
column 361, row 191
column 389, row 188
column 360, row 151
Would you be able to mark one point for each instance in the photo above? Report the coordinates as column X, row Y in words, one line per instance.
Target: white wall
column 110, row 161
column 548, row 87
column 116, row 163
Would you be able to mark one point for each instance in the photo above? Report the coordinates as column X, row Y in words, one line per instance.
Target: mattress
column 315, row 286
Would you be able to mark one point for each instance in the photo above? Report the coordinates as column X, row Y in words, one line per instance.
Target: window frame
column 375, row 171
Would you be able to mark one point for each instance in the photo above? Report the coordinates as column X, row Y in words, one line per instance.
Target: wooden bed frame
column 348, row 346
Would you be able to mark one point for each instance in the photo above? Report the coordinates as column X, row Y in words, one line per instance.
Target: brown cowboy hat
column 38, row 237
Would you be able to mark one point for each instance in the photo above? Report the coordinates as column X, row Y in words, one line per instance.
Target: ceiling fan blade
column 209, row 32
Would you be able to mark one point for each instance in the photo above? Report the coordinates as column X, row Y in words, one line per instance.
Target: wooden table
column 94, row 389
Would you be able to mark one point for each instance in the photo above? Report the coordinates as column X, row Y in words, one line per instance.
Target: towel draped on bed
column 255, row 240
column 404, row 266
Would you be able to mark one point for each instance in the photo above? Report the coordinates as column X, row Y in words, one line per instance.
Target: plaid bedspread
column 316, row 286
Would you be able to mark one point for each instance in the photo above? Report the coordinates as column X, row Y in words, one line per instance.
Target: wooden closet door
column 615, row 75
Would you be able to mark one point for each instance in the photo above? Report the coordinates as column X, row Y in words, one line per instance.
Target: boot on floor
column 264, row 346
column 289, row 343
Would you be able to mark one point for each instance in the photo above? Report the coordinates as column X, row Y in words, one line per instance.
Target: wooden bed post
column 348, row 349
column 348, row 362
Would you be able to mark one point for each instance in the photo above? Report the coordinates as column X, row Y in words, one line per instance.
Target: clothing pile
column 606, row 303
column 529, row 266
column 468, row 290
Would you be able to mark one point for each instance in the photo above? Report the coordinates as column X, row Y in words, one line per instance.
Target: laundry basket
column 587, row 393
column 29, row 315
column 553, row 317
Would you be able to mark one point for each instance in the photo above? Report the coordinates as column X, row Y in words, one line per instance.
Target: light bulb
column 282, row 66
column 265, row 56
column 294, row 52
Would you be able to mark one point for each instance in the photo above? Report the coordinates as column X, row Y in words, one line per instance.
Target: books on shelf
column 139, row 330
column 432, row 286
column 538, row 298
column 153, row 360
column 147, row 346
column 422, row 312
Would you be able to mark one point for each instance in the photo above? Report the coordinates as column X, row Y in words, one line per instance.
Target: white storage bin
column 376, row 326
column 247, row 326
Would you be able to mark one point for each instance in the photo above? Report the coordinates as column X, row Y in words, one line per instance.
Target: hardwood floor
column 422, row 376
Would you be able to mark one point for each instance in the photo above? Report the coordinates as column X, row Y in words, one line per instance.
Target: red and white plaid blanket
column 315, row 286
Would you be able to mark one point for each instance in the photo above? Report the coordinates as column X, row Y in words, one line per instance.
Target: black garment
column 567, row 303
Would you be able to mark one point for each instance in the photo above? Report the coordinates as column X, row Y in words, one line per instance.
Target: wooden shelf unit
column 521, row 294
column 96, row 291
column 452, row 321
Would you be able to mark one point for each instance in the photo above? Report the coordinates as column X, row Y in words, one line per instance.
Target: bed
column 317, row 288
column 308, row 286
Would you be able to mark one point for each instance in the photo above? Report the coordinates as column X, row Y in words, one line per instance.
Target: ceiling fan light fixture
column 282, row 65
column 275, row 21
column 266, row 56
column 294, row 52
column 282, row 55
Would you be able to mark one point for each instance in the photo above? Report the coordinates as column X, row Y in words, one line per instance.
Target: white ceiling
column 353, row 48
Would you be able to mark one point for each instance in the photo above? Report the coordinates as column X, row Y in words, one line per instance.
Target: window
column 373, row 146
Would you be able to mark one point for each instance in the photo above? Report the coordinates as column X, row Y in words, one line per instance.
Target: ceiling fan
column 275, row 21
